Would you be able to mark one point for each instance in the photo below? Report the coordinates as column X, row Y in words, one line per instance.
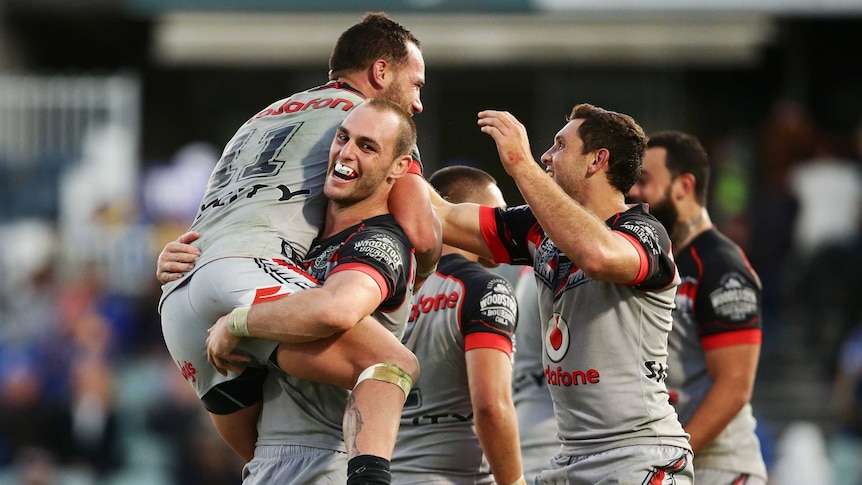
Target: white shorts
column 637, row 464
column 295, row 465
column 212, row 291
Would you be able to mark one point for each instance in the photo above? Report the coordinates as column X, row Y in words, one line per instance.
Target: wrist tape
column 237, row 322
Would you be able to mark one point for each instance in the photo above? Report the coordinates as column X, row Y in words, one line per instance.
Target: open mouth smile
column 344, row 172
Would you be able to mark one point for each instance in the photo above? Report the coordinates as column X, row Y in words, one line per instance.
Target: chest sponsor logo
column 561, row 377
column 433, row 303
column 557, row 338
column 557, row 343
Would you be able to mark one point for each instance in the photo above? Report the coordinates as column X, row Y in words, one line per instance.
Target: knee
column 409, row 363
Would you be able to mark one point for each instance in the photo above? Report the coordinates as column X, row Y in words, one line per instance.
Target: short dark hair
column 685, row 154
column 374, row 37
column 460, row 183
column 406, row 126
column 620, row 134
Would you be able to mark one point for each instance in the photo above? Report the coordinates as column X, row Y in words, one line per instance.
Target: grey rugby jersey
column 460, row 307
column 265, row 196
column 718, row 304
column 605, row 344
column 299, row 412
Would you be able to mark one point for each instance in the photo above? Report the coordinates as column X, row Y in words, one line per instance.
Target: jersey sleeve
column 384, row 256
column 512, row 234
column 490, row 314
column 649, row 237
column 728, row 303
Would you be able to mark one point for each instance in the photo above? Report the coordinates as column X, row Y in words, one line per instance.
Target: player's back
column 265, row 195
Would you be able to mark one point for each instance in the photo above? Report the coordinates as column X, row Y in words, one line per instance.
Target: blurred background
column 113, row 113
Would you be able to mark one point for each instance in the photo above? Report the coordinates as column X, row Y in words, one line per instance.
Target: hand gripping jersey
column 298, row 412
column 718, row 304
column 605, row 344
column 460, row 307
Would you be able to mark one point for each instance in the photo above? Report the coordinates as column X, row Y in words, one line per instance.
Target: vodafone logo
column 557, row 338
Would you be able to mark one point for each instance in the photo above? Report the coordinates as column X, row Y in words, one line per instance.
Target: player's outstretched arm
column 460, row 223
column 410, row 205
column 489, row 372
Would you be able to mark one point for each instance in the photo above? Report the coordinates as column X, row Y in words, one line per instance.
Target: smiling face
column 565, row 161
column 362, row 156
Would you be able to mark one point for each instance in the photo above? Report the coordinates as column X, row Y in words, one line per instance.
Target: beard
column 362, row 189
column 666, row 213
column 397, row 95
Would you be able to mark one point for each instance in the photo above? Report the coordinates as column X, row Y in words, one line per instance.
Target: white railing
column 81, row 135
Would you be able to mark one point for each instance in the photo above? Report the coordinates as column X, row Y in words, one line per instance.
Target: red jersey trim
column 644, row 260
column 728, row 339
column 370, row 271
column 488, row 225
column 415, row 168
column 485, row 340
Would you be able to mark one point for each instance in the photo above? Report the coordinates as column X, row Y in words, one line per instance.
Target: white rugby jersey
column 605, row 344
column 718, row 304
column 462, row 306
column 265, row 196
column 300, row 412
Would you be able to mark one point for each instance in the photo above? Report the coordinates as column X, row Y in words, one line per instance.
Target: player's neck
column 341, row 216
column 689, row 226
column 358, row 82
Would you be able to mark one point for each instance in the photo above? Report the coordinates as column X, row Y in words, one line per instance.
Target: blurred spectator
column 828, row 187
column 198, row 454
column 173, row 192
column 787, row 137
column 825, row 301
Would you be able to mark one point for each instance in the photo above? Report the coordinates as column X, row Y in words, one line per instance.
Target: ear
column 683, row 186
column 378, row 74
column 400, row 167
column 601, row 160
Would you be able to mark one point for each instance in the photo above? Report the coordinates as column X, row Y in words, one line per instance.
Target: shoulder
column 719, row 253
column 382, row 225
column 643, row 226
